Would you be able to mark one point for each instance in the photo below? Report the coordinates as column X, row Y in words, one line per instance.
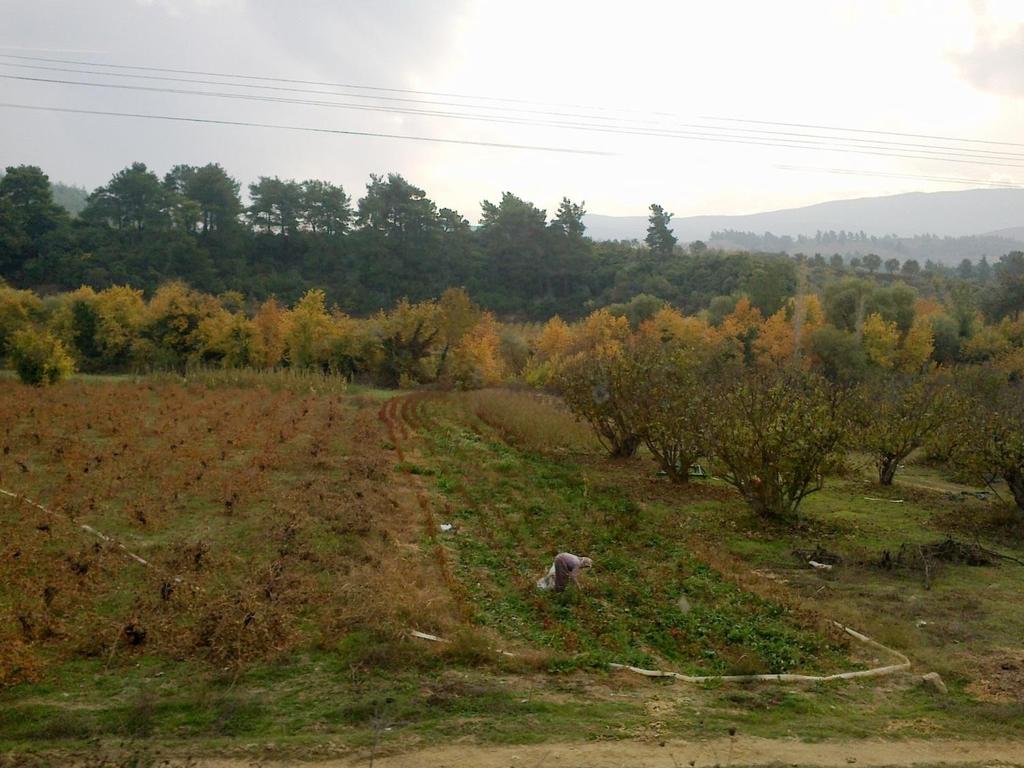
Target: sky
column 608, row 103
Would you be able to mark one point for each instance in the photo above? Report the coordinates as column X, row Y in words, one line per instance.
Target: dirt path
column 726, row 752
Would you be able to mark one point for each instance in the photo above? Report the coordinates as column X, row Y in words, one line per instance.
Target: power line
column 757, row 133
column 862, row 130
column 942, row 155
column 882, row 174
column 309, row 129
column 505, row 100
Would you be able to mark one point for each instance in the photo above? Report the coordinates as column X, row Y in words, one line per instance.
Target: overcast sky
column 614, row 71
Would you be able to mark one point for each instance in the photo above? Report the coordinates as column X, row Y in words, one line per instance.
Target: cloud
column 995, row 65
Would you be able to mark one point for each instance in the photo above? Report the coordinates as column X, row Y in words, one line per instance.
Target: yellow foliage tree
column 17, row 310
column 476, row 359
column 881, row 340
column 601, row 330
column 271, row 323
column 740, row 327
column 122, row 313
column 917, row 346
column 776, row 341
column 310, row 332
column 555, row 339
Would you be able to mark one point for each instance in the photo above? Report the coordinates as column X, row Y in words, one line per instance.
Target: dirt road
column 674, row 754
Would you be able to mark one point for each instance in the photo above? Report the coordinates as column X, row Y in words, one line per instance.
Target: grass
column 532, row 421
column 516, row 506
column 515, row 510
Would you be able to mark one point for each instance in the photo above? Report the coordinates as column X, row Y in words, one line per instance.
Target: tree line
column 394, row 242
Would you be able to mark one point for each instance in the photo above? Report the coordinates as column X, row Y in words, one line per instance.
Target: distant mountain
column 1010, row 233
column 953, row 214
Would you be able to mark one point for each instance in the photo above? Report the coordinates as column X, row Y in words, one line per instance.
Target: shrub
column 992, row 433
column 775, row 433
column 592, row 384
column 897, row 414
column 39, row 357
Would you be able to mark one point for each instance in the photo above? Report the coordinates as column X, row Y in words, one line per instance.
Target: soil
column 738, row 751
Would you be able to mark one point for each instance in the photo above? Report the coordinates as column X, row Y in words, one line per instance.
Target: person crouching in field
column 566, row 568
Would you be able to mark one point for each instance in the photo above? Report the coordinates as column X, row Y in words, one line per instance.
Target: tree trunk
column 1015, row 481
column 677, row 471
column 624, row 447
column 887, row 469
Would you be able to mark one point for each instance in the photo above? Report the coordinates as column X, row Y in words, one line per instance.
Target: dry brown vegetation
column 268, row 518
column 531, row 420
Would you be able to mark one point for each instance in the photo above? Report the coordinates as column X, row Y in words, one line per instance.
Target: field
column 292, row 538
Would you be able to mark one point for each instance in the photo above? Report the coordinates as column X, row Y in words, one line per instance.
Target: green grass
column 301, row 701
column 517, row 509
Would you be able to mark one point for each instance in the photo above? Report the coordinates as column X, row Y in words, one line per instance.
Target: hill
column 946, row 214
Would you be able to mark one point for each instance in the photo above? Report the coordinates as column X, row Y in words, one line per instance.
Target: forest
column 394, row 243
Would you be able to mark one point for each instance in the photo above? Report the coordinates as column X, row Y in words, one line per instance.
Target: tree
column 27, row 215
column 276, row 205
column 1008, row 298
column 881, row 340
column 409, row 336
column 992, row 431
column 596, row 390
column 839, row 355
column 397, row 209
column 133, row 200
column 897, row 414
column 569, row 219
column 872, row 261
column 309, row 336
column 477, row 360
column 945, row 339
column 659, row 238
column 18, row 309
column 514, row 234
column 846, row 303
column 661, row 392
column 917, row 347
column 892, row 266
column 325, row 208
column 775, row 433
column 39, row 357
column 214, row 193
column 911, row 267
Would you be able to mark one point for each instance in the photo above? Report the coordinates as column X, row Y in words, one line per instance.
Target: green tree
column 774, row 434
column 911, row 267
column 276, row 205
column 659, row 238
column 214, row 192
column 897, row 414
column 839, row 355
column 596, row 388
column 134, row 200
column 991, row 434
column 325, row 208
column 1008, row 298
column 514, row 237
column 27, row 215
column 397, row 209
column 662, row 393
